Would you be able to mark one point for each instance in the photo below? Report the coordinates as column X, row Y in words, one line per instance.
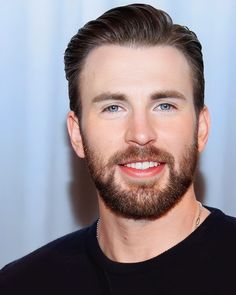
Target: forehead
column 135, row 70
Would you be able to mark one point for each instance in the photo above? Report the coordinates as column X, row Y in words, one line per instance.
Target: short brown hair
column 133, row 25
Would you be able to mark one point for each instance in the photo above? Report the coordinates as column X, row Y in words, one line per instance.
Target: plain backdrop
column 45, row 189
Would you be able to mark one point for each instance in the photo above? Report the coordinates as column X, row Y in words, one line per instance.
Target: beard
column 142, row 200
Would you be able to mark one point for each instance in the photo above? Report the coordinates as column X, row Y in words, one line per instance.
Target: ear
column 75, row 134
column 203, row 128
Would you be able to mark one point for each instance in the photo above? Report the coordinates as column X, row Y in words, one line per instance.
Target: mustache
column 136, row 154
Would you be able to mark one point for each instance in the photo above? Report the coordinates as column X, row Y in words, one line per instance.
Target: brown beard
column 142, row 200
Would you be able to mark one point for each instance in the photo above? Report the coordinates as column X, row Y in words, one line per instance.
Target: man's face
column 139, row 129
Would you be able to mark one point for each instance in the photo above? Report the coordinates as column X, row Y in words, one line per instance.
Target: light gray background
column 45, row 189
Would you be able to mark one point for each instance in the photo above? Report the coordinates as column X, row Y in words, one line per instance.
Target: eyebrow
column 167, row 94
column 109, row 96
column 154, row 96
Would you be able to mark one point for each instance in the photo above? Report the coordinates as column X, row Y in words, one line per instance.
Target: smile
column 142, row 169
column 142, row 165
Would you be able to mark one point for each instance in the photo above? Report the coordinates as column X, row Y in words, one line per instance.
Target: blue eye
column 165, row 107
column 112, row 109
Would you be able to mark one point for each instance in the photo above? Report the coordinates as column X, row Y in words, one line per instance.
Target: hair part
column 133, row 25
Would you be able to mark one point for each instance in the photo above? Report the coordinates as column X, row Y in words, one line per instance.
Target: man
column 136, row 89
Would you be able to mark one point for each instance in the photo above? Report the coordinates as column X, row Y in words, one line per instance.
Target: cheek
column 177, row 135
column 103, row 137
column 172, row 134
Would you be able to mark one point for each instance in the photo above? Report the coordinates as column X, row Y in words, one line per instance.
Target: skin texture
column 141, row 195
column 134, row 99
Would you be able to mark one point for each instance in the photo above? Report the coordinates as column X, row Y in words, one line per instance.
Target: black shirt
column 203, row 263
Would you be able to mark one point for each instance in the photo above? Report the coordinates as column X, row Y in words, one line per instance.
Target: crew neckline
column 170, row 254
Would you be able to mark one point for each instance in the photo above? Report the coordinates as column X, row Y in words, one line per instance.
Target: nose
column 140, row 130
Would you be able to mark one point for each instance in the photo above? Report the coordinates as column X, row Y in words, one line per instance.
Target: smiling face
column 139, row 131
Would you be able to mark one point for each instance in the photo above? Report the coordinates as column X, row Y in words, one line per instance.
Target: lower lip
column 139, row 173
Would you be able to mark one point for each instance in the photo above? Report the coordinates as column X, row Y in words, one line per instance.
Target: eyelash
column 166, row 104
column 108, row 109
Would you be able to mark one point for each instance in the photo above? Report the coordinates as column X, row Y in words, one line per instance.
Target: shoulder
column 221, row 232
column 50, row 262
column 62, row 246
column 225, row 224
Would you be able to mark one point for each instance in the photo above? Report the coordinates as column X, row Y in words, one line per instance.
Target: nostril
column 140, row 130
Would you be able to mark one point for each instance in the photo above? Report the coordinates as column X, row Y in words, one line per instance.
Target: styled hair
column 133, row 25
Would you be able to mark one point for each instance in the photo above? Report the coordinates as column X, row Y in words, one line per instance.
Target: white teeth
column 142, row 165
column 145, row 165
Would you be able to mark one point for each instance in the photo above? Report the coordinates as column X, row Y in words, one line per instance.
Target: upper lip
column 139, row 161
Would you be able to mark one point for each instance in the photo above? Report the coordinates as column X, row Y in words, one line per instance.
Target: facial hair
column 149, row 200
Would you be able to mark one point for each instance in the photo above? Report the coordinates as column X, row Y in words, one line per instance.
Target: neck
column 127, row 240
